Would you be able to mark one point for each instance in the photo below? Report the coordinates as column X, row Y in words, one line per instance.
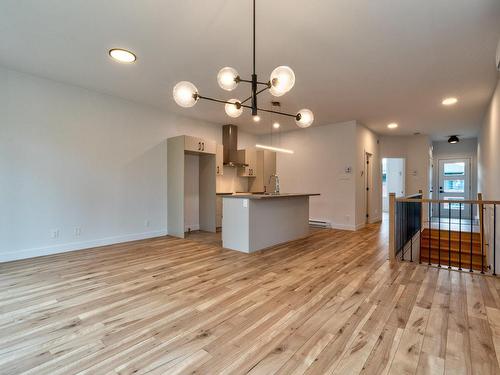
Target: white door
column 454, row 183
column 393, row 179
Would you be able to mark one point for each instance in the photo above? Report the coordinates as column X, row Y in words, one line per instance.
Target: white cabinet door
column 249, row 157
column 198, row 145
column 219, row 160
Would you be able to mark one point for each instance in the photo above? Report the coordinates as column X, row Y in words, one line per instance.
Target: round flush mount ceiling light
column 453, row 139
column 276, row 125
column 449, row 101
column 256, row 118
column 392, row 125
column 122, row 55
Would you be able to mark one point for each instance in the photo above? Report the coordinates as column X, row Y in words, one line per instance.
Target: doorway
column 454, row 183
column 393, row 179
column 368, row 184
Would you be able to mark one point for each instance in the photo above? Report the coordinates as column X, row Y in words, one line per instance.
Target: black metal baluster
column 460, row 237
column 402, row 237
column 449, row 236
column 411, row 230
column 439, row 235
column 494, row 239
column 470, row 238
column 480, row 207
column 430, row 231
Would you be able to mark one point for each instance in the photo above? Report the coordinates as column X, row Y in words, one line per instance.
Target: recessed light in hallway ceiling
column 449, row 101
column 122, row 55
column 392, row 125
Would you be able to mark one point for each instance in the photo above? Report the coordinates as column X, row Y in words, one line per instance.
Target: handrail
column 426, row 200
column 413, row 196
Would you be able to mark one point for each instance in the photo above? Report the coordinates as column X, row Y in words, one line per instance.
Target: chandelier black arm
column 296, row 116
column 238, row 79
column 211, row 99
column 257, row 93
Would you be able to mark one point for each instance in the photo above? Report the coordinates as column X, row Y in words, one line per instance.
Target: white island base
column 254, row 222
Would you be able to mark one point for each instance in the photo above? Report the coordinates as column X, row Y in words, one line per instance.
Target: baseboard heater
column 319, row 223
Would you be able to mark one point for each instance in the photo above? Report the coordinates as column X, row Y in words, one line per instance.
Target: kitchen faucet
column 277, row 185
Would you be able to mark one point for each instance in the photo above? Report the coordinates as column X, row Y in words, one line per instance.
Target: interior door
column 454, row 183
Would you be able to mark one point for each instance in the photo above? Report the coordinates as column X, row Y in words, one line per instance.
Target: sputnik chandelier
column 281, row 81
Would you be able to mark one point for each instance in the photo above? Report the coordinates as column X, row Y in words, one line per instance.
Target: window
column 454, row 186
column 454, row 169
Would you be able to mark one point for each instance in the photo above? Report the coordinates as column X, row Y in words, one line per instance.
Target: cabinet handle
column 203, row 146
column 217, row 169
column 199, row 146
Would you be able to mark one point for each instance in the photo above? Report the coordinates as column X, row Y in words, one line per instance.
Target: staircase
column 456, row 242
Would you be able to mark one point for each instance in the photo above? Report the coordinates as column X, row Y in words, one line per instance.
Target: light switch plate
column 245, row 203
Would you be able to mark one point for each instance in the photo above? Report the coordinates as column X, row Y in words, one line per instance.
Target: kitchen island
column 252, row 222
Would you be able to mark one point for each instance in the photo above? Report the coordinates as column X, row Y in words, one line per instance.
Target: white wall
column 321, row 157
column 466, row 148
column 489, row 150
column 367, row 142
column 489, row 167
column 71, row 157
column 395, row 180
column 416, row 152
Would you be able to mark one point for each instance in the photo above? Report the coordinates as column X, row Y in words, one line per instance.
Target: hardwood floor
column 330, row 303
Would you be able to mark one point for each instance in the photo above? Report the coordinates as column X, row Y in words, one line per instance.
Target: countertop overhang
column 269, row 196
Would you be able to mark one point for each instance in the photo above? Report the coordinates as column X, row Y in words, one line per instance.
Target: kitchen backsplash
column 230, row 182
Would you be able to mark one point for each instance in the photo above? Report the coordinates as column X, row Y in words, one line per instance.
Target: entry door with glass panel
column 454, row 183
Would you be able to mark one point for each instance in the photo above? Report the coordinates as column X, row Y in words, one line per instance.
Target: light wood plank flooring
column 330, row 303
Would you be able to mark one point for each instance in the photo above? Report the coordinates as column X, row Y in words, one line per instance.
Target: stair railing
column 432, row 236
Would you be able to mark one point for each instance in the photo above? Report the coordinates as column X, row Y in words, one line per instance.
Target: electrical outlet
column 78, row 231
column 54, row 233
column 147, row 223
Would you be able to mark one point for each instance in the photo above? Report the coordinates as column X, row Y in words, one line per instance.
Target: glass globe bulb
column 282, row 80
column 275, row 92
column 185, row 94
column 233, row 110
column 304, row 118
column 227, row 78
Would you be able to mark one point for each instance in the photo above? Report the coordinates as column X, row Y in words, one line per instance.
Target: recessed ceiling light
column 453, row 139
column 449, row 101
column 276, row 125
column 256, row 118
column 122, row 55
column 392, row 125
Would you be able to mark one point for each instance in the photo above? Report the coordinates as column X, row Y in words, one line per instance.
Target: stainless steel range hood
column 230, row 143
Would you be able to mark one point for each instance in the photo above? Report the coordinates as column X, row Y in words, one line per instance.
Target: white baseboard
column 72, row 246
column 374, row 220
column 193, row 227
column 343, row 226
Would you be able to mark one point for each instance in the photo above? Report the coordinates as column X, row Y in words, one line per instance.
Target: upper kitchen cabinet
column 248, row 157
column 199, row 145
column 219, row 160
column 265, row 168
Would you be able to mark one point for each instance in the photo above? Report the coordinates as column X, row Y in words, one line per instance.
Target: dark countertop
column 268, row 196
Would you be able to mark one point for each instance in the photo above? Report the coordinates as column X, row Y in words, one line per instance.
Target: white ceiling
column 373, row 61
